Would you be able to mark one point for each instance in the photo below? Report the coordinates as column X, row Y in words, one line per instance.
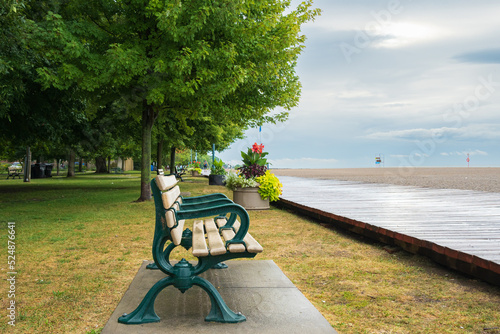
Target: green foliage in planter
column 194, row 169
column 270, row 186
column 218, row 168
column 254, row 156
column 234, row 181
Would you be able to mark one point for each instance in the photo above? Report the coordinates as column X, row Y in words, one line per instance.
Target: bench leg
column 183, row 280
column 145, row 312
column 219, row 311
column 152, row 266
column 220, row 265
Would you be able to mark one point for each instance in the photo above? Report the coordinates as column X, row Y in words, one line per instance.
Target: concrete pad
column 257, row 289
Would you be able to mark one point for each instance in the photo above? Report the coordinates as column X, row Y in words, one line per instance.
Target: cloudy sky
column 415, row 82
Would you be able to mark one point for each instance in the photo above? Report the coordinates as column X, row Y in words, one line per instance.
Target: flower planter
column 195, row 173
column 216, row 180
column 250, row 199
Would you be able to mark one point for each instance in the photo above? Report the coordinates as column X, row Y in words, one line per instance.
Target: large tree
column 46, row 120
column 231, row 60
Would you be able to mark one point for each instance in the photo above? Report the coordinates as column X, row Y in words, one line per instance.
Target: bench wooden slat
column 176, row 232
column 228, row 235
column 169, row 215
column 165, row 182
column 215, row 242
column 199, row 242
column 253, row 245
column 169, row 197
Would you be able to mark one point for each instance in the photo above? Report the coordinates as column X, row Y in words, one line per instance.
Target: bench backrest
column 166, row 203
column 165, row 182
column 170, row 195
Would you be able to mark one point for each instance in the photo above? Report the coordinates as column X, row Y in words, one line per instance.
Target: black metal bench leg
column 145, row 312
column 219, row 311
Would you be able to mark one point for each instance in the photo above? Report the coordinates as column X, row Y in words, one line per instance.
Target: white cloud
column 465, row 153
column 477, row 131
column 356, row 94
column 400, row 34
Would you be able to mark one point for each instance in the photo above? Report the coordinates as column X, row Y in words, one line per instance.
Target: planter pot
column 250, row 199
column 216, row 180
column 194, row 173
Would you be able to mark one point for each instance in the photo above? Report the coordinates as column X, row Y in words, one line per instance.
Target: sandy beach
column 473, row 178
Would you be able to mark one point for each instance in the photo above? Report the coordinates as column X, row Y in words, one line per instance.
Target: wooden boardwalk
column 457, row 228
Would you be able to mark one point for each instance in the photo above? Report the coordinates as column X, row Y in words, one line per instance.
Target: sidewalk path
column 457, row 228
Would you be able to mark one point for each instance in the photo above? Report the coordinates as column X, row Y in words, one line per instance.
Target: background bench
column 14, row 171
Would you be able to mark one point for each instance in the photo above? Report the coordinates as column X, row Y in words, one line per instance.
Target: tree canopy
column 209, row 64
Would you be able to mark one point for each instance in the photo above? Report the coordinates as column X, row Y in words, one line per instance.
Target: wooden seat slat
column 215, row 243
column 228, row 234
column 253, row 245
column 199, row 243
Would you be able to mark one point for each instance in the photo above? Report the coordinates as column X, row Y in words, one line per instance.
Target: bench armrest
column 220, row 210
column 204, row 205
column 203, row 198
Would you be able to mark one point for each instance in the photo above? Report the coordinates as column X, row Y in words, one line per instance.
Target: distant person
column 205, row 165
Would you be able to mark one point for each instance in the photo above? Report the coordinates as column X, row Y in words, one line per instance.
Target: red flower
column 257, row 148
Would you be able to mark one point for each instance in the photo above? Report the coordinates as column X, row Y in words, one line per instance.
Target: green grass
column 80, row 242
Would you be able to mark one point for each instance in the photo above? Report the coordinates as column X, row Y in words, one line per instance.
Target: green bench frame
column 183, row 275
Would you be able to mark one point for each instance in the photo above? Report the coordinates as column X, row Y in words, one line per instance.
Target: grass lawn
column 80, row 241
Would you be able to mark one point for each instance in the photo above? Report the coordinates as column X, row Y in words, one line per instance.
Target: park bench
column 221, row 235
column 179, row 172
column 13, row 172
column 116, row 170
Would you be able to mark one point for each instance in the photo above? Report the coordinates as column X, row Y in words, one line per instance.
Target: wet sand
column 473, row 178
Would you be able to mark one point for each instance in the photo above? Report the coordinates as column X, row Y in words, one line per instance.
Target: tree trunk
column 58, row 161
column 71, row 164
column 148, row 119
column 159, row 154
column 172, row 160
column 123, row 164
column 100, row 165
column 80, row 163
column 27, row 165
column 109, row 164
